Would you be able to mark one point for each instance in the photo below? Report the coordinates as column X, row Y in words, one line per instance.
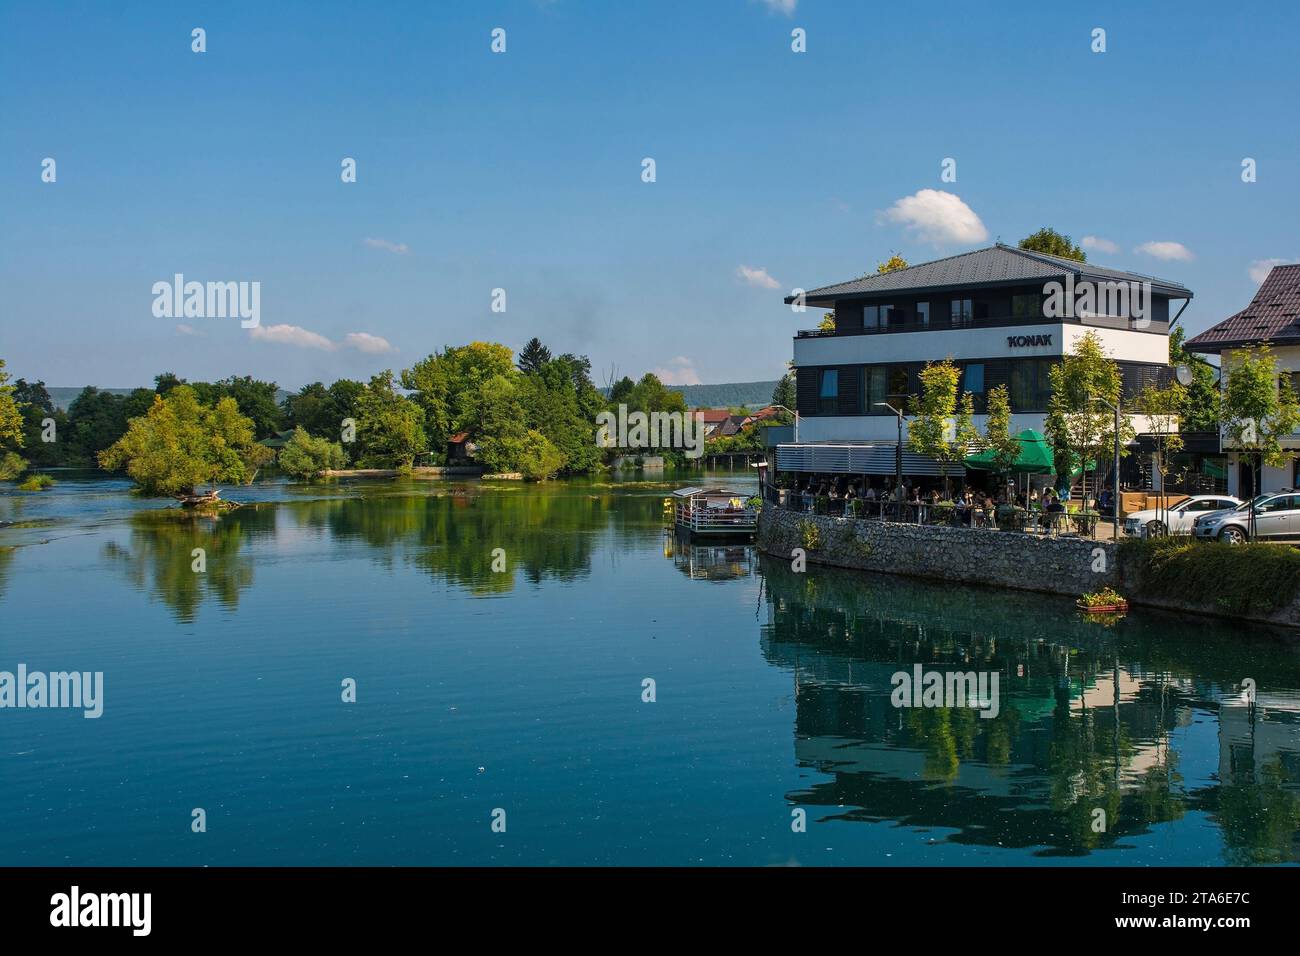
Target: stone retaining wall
column 1061, row 565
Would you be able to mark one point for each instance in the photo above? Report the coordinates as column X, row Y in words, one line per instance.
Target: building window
column 962, row 311
column 876, row 387
column 897, row 394
column 972, row 381
column 876, row 316
column 923, row 313
column 828, row 395
column 1028, row 306
column 1031, row 385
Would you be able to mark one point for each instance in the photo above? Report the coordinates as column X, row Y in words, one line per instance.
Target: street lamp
column 1114, row 507
column 898, row 453
column 796, row 419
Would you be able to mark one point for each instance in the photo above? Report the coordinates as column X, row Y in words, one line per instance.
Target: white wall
column 854, row 428
column 880, row 347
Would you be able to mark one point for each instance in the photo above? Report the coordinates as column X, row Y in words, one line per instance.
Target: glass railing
column 984, row 322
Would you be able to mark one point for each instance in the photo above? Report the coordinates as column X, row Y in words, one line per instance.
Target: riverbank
column 1064, row 565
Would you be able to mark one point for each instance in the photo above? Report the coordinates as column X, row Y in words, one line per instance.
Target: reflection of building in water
column 1083, row 724
column 710, row 562
column 1253, row 738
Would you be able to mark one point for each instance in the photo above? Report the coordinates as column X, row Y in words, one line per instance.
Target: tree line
column 534, row 415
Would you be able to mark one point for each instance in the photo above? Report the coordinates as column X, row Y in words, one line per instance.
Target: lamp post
column 898, row 453
column 1114, row 510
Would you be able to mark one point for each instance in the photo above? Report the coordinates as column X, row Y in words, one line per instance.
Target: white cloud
column 184, row 329
column 680, row 371
column 1168, row 251
column 937, row 217
column 365, row 342
column 776, row 6
column 757, row 277
column 397, row 248
column 294, row 335
column 1098, row 244
column 1260, row 268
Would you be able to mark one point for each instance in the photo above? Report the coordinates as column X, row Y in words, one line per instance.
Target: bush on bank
column 1237, row 579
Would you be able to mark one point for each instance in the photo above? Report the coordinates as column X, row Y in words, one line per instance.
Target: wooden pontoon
column 712, row 511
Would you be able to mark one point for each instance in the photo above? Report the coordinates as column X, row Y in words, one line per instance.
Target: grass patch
column 1236, row 579
column 37, row 483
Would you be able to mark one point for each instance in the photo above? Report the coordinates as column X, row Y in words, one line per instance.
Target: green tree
column 256, row 400
column 943, row 428
column 785, row 393
column 1079, row 423
column 893, row 264
column 390, row 427
column 997, row 430
column 181, row 444
column 306, row 457
column 1258, row 409
column 11, row 429
column 827, row 324
column 561, row 402
column 534, row 356
column 1050, row 241
column 96, row 420
column 38, row 408
column 538, row 458
column 1200, row 411
column 1162, row 408
column 446, row 385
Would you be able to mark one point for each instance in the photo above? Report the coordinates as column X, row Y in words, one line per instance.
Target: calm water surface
column 522, row 691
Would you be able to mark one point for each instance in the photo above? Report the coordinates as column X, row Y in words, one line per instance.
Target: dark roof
column 996, row 265
column 1272, row 316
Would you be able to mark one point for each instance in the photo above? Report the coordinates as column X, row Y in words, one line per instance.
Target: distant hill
column 62, row 395
column 728, row 395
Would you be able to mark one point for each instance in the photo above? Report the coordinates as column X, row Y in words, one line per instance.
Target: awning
column 1035, row 456
column 858, row 458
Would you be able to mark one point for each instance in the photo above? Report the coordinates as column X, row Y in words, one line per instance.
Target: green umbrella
column 1035, row 456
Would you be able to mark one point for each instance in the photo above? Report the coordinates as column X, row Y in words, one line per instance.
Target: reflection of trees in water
column 1260, row 815
column 159, row 558
column 546, row 534
column 1065, row 743
column 6, row 559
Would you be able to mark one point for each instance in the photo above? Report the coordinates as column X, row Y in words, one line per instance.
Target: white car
column 1178, row 518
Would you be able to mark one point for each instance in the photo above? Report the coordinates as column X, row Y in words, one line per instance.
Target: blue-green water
column 522, row 690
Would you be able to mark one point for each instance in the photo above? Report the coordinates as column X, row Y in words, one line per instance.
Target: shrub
column 36, row 483
column 810, row 535
column 1106, row 597
column 538, row 458
column 1238, row 579
column 11, row 465
column 305, row 457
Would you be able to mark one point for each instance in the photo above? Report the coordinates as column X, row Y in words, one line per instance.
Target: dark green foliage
column 1235, row 579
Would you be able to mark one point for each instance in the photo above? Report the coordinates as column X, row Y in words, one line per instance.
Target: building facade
column 1272, row 318
column 996, row 313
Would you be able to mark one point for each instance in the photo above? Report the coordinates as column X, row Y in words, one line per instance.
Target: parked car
column 1277, row 518
column 1177, row 519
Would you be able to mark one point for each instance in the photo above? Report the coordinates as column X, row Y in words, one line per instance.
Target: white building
column 1272, row 318
column 1003, row 315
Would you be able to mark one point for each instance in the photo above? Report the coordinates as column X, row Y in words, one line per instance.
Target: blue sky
column 522, row 170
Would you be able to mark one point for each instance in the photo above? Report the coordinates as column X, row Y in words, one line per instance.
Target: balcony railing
column 939, row 324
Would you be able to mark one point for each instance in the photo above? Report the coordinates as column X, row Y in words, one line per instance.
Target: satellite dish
column 1184, row 374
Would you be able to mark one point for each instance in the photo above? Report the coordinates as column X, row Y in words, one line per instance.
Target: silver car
column 1177, row 519
column 1277, row 518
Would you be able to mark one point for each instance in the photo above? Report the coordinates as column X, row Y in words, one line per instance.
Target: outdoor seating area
column 1026, row 497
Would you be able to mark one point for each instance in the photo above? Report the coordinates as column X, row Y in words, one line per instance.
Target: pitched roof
column 1272, row 316
column 996, row 265
column 713, row 416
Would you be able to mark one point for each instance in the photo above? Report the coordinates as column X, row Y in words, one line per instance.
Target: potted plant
column 1105, row 601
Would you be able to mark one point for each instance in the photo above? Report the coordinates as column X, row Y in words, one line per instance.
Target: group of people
column 857, row 494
